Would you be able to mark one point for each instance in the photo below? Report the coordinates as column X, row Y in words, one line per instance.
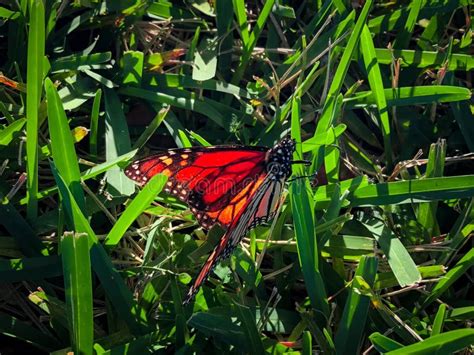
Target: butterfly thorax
column 278, row 159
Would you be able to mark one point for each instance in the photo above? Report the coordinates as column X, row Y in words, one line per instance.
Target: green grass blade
column 135, row 208
column 454, row 273
column 9, row 133
column 214, row 110
column 303, row 220
column 116, row 290
column 30, row 269
column 445, row 343
column 94, row 126
column 20, row 330
column 341, row 71
column 252, row 38
column 410, row 191
column 117, row 142
column 241, row 15
column 78, row 290
column 426, row 214
column 383, row 343
column 424, row 59
column 407, row 96
column 401, row 263
column 403, row 37
column 250, row 328
column 89, row 173
column 376, row 85
column 465, row 120
column 20, row 229
column 62, row 144
column 151, row 128
column 34, row 79
column 351, row 327
column 81, row 62
column 438, row 322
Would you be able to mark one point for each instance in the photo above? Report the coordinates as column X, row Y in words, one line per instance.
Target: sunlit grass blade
column 423, row 59
column 367, row 50
column 34, row 79
column 438, row 322
column 351, row 327
column 383, row 343
column 117, row 142
column 151, row 128
column 62, row 145
column 114, row 286
column 301, row 205
column 406, row 96
column 341, row 71
column 78, row 290
column 135, row 208
column 94, row 125
column 403, row 37
column 9, row 133
column 426, row 213
column 410, row 191
column 445, row 343
column 252, row 37
column 454, row 273
column 401, row 263
column 89, row 173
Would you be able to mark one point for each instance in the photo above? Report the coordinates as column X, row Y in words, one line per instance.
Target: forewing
column 212, row 180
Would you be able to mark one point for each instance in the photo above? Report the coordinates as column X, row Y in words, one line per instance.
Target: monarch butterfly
column 236, row 187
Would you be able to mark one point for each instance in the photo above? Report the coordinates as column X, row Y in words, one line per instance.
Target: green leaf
column 81, row 62
column 30, row 269
column 115, row 288
column 438, row 322
column 62, row 144
column 401, row 263
column 18, row 329
column 383, row 343
column 205, row 59
column 410, row 191
column 9, row 133
column 351, row 327
column 308, row 255
column 117, row 142
column 135, row 208
column 445, row 343
column 34, row 80
column 94, row 125
column 454, row 273
column 327, row 119
column 78, row 290
column 407, row 96
column 376, row 85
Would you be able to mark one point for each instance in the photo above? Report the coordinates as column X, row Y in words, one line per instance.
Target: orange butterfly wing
column 207, row 179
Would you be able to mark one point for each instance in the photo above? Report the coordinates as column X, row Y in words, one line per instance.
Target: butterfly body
column 233, row 186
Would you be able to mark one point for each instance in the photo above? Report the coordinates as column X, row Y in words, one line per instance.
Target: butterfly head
column 279, row 159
